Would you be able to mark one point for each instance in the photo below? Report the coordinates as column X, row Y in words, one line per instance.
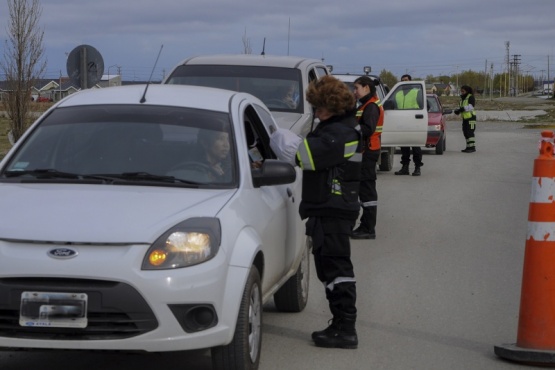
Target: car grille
column 115, row 310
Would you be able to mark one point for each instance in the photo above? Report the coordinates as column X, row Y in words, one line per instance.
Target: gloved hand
column 457, row 111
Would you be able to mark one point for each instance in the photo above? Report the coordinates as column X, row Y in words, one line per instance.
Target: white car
column 279, row 81
column 126, row 231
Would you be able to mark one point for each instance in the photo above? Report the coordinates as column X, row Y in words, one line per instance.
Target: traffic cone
column 536, row 324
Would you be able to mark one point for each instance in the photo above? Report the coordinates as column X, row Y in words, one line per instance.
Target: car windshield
column 279, row 88
column 433, row 106
column 129, row 144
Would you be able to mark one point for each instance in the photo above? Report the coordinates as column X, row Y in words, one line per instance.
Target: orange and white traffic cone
column 536, row 324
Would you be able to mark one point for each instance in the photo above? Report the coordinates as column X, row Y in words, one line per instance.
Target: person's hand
column 457, row 111
column 256, row 165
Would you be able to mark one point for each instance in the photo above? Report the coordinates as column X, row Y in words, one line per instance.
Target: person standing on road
column 408, row 98
column 330, row 157
column 468, row 114
column 370, row 118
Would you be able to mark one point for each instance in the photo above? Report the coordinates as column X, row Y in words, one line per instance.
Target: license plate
column 55, row 310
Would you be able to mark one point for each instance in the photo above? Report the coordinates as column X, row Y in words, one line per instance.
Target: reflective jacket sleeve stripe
column 351, row 148
column 305, row 157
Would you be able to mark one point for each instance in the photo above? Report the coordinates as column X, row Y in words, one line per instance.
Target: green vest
column 408, row 100
column 467, row 115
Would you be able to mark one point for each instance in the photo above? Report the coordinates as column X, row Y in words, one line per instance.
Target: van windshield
column 279, row 88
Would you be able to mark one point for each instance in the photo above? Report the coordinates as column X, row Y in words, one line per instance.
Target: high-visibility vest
column 375, row 139
column 470, row 114
column 408, row 100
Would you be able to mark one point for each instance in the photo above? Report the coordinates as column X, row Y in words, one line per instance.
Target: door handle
column 419, row 116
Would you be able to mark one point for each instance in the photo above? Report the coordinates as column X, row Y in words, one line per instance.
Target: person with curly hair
column 330, row 157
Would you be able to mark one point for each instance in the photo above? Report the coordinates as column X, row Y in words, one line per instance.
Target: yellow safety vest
column 408, row 100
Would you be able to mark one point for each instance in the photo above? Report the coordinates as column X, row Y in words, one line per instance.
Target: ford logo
column 62, row 253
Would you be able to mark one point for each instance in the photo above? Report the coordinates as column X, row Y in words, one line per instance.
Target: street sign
column 85, row 66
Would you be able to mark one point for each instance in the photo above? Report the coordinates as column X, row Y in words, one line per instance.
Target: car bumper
column 128, row 308
column 433, row 137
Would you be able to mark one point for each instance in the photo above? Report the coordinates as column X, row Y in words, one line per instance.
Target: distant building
column 110, row 80
column 438, row 89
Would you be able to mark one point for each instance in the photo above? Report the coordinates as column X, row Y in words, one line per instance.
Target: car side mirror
column 388, row 105
column 274, row 172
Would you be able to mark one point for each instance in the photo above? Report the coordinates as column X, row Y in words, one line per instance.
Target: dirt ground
column 528, row 109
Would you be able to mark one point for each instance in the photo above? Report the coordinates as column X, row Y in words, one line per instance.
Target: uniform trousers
column 367, row 193
column 468, row 127
column 416, row 155
column 331, row 248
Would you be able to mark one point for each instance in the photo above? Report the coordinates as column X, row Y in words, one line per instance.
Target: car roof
column 251, row 60
column 166, row 95
column 347, row 77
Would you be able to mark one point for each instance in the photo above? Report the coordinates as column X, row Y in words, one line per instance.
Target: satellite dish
column 85, row 66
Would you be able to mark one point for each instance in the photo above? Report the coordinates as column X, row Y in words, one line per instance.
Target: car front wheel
column 243, row 353
column 293, row 295
column 386, row 159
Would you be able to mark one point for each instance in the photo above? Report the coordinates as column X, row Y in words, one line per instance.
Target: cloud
column 423, row 37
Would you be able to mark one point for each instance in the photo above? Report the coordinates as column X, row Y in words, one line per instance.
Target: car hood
column 295, row 122
column 100, row 213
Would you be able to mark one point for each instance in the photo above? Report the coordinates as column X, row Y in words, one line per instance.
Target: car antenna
column 143, row 99
column 263, row 47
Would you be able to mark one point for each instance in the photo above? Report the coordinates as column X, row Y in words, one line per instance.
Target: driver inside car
column 213, row 151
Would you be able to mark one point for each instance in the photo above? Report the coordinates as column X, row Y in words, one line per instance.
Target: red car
column 436, row 124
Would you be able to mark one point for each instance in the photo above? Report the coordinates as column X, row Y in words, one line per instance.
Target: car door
column 277, row 216
column 405, row 126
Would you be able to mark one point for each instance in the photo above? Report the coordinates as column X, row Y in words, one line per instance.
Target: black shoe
column 416, row 171
column 336, row 335
column 469, row 150
column 361, row 233
column 404, row 170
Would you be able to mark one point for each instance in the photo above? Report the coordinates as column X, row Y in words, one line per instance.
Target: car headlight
column 189, row 243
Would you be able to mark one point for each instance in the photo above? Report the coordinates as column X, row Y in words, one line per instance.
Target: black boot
column 416, row 171
column 404, row 170
column 470, row 149
column 361, row 233
column 367, row 227
column 341, row 333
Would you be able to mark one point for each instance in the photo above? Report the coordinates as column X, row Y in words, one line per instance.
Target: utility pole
column 457, row 78
column 508, row 75
column 514, row 75
column 548, row 83
column 491, row 82
column 485, row 78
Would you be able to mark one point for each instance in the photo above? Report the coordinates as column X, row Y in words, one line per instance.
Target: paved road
column 437, row 290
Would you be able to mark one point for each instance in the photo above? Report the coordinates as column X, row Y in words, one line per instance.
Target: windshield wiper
column 42, row 173
column 50, row 173
column 145, row 176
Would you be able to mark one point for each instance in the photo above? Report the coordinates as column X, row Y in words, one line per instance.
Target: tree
column 388, row 78
column 22, row 63
column 246, row 44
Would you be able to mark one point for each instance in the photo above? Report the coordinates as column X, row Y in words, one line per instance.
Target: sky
column 418, row 37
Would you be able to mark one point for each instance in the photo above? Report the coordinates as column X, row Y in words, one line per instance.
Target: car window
column 433, row 105
column 279, row 88
column 321, row 72
column 190, row 144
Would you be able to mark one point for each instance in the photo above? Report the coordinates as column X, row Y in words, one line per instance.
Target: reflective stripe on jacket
column 331, row 158
column 375, row 139
column 470, row 114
